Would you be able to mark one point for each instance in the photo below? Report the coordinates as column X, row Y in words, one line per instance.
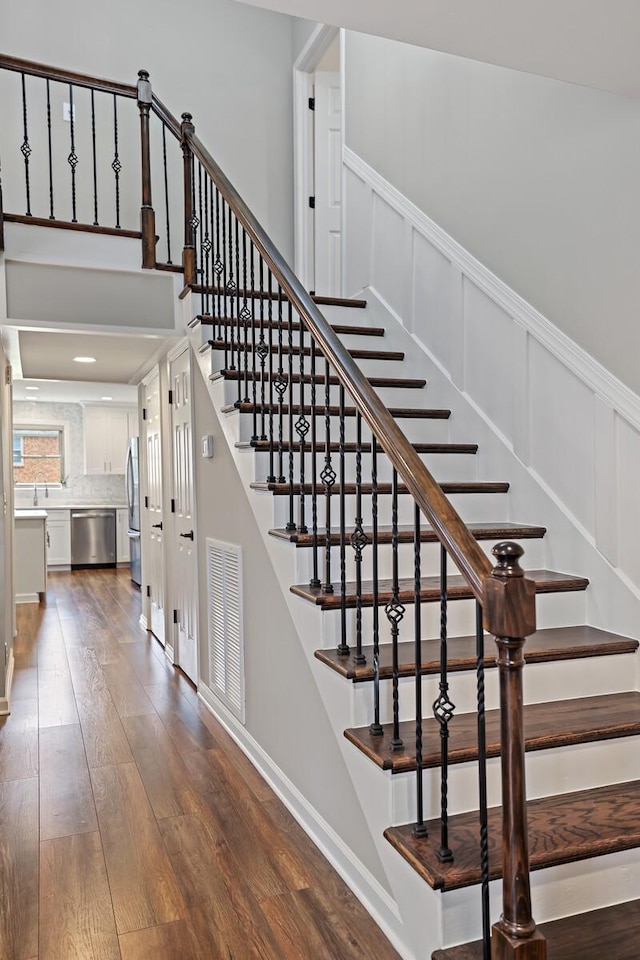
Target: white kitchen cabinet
column 30, row 555
column 106, row 437
column 122, row 540
column 58, row 538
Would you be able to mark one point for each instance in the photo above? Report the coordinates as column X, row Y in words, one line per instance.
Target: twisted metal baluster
column 419, row 827
column 482, row 784
column 358, row 541
column 222, row 301
column 94, row 160
column 50, row 150
column 240, row 328
column 272, row 475
column 280, row 385
column 443, row 710
column 291, row 525
column 198, row 245
column 246, row 315
column 328, row 477
column 72, row 159
column 166, row 191
column 25, row 148
column 343, row 646
column 395, row 611
column 315, row 576
column 254, row 352
column 218, row 269
column 302, row 428
column 376, row 727
column 116, row 165
column 206, row 244
column 262, row 350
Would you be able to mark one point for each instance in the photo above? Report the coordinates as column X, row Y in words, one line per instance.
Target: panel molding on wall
column 226, row 629
column 571, row 423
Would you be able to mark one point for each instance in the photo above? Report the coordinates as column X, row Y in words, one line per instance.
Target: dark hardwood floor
column 132, row 826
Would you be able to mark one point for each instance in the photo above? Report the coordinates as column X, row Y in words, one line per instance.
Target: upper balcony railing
column 76, row 154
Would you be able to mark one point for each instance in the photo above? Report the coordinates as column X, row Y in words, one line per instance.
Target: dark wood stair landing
column 554, row 724
column 481, row 531
column 554, row 643
column 611, row 933
column 562, row 829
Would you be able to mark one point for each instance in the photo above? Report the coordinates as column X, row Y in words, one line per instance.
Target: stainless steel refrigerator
column 133, row 504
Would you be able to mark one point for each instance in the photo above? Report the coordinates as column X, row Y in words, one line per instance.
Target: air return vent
column 226, row 634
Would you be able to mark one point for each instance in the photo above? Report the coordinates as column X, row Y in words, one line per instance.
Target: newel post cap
column 509, row 598
column 144, row 87
column 187, row 123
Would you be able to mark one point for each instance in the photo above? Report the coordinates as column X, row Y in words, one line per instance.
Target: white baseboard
column 27, row 598
column 376, row 900
column 5, row 701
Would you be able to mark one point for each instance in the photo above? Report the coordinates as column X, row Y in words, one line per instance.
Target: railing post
column 147, row 215
column 189, row 251
column 509, row 614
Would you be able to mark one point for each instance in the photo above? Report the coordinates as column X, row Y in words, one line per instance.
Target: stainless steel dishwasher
column 93, row 538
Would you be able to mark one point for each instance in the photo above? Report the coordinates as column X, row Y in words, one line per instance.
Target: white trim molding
column 5, row 702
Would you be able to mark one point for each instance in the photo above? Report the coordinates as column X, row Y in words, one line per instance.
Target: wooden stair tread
column 355, row 352
column 562, row 829
column 340, row 328
column 384, row 489
column 547, row 581
column 610, row 933
column 352, row 302
column 349, row 447
column 481, row 531
column 546, row 725
column 381, row 383
column 409, row 413
column 554, row 643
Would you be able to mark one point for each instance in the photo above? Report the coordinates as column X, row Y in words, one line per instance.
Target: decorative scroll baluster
column 25, row 148
column 358, row 541
column 218, row 269
column 302, row 428
column 246, row 315
column 206, row 245
column 343, row 646
column 50, row 149
column 281, row 387
column 147, row 213
column 254, row 351
column 94, row 158
column 116, row 165
column 443, row 710
column 328, row 477
column 240, row 326
column 229, row 291
column 197, row 229
column 315, row 576
column 72, row 159
column 291, row 525
column 222, row 297
column 262, row 351
column 376, row 727
column 272, row 475
column 419, row 827
column 482, row 786
column 395, row 611
column 166, row 191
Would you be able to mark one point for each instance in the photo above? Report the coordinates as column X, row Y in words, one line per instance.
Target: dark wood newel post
column 147, row 215
column 509, row 614
column 189, row 251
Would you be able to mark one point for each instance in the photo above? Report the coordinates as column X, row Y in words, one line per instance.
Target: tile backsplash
column 79, row 488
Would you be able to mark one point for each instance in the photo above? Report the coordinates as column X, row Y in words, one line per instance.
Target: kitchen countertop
column 35, row 513
column 87, row 505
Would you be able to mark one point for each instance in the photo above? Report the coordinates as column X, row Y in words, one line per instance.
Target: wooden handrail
column 172, row 124
column 66, row 76
column 451, row 530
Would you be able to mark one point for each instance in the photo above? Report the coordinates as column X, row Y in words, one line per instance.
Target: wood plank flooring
column 132, row 826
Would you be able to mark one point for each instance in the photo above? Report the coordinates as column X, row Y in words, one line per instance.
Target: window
column 38, row 454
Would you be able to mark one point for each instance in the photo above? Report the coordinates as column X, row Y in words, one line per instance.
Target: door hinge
column 170, row 397
column 312, row 103
column 173, row 505
column 175, row 617
column 144, row 413
column 8, row 378
column 312, row 202
column 146, row 503
column 149, row 590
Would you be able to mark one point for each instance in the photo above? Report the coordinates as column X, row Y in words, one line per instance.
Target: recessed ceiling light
column 84, row 359
column 106, row 398
column 32, row 388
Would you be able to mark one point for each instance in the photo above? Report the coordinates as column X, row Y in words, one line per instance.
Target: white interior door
column 328, row 183
column 184, row 557
column 154, row 567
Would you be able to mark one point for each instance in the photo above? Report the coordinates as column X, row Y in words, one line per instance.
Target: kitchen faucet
column 35, row 489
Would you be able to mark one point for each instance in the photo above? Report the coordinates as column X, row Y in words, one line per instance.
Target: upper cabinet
column 106, row 437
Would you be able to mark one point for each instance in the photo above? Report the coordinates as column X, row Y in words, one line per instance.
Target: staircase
column 407, row 565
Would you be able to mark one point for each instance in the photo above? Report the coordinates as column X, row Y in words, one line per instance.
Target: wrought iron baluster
column 198, row 221
column 376, row 727
column 358, row 541
column 218, row 269
column 262, row 351
column 280, row 384
column 50, row 148
column 443, row 710
column 291, row 525
column 254, row 351
column 246, row 315
column 315, row 576
column 272, row 475
column 395, row 611
column 94, row 160
column 229, row 290
column 328, row 477
column 419, row 828
column 302, row 427
column 72, row 159
column 240, row 328
column 25, row 148
column 116, row 165
column 166, row 191
column 482, row 784
column 343, row 646
column 206, row 245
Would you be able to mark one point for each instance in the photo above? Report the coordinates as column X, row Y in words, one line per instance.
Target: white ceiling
column 590, row 42
column 67, row 391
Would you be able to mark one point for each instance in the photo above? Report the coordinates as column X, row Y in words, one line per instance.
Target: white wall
column 536, row 178
column 227, row 64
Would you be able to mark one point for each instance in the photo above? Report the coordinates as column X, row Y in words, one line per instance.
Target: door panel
column 155, row 561
column 328, row 183
column 184, row 557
